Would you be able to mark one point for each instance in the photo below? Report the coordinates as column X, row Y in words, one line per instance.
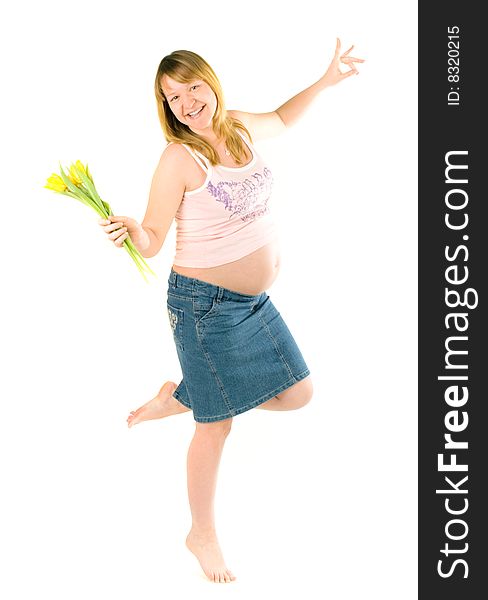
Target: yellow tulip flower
column 56, row 184
column 80, row 166
column 73, row 175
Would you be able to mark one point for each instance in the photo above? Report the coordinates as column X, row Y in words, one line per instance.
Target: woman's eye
column 193, row 86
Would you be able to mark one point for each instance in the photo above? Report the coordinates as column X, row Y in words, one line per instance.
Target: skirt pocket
column 176, row 317
column 203, row 308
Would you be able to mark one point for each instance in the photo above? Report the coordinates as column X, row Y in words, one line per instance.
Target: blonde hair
column 185, row 66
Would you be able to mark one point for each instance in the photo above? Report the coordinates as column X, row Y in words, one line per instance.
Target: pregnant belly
column 251, row 274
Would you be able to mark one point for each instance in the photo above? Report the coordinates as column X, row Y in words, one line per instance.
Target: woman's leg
column 292, row 398
column 204, row 456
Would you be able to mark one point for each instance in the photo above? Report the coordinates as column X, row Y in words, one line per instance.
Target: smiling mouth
column 194, row 114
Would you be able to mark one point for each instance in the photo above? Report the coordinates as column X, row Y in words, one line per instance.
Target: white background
column 319, row 502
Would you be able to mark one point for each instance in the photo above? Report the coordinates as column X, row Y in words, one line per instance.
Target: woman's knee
column 306, row 391
column 299, row 394
column 222, row 427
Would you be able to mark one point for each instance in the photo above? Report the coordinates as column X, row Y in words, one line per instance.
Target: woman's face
column 185, row 99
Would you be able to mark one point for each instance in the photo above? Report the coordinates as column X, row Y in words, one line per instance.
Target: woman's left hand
column 333, row 74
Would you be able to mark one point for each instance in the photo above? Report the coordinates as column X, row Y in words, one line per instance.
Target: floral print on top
column 248, row 198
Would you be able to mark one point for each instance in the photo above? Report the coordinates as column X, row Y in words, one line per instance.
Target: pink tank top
column 228, row 216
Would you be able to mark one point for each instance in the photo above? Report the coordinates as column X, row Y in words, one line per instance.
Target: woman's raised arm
column 263, row 125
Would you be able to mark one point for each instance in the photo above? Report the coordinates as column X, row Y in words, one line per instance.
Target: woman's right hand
column 119, row 228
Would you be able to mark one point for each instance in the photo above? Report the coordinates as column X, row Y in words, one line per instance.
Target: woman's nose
column 189, row 103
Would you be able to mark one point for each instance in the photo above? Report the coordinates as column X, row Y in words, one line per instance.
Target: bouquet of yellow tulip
column 79, row 184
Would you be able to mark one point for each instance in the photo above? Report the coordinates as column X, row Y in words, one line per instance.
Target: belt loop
column 172, row 278
column 220, row 293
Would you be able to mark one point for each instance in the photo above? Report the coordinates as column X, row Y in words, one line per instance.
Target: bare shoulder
column 260, row 125
column 176, row 161
column 174, row 154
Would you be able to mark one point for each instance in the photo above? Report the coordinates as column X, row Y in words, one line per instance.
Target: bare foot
column 206, row 548
column 162, row 405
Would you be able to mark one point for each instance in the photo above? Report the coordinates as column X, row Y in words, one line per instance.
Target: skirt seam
column 213, row 370
column 275, row 344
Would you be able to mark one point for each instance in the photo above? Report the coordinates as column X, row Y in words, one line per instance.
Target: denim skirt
column 235, row 350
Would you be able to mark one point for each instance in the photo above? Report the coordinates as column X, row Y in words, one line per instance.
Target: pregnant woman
column 235, row 350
